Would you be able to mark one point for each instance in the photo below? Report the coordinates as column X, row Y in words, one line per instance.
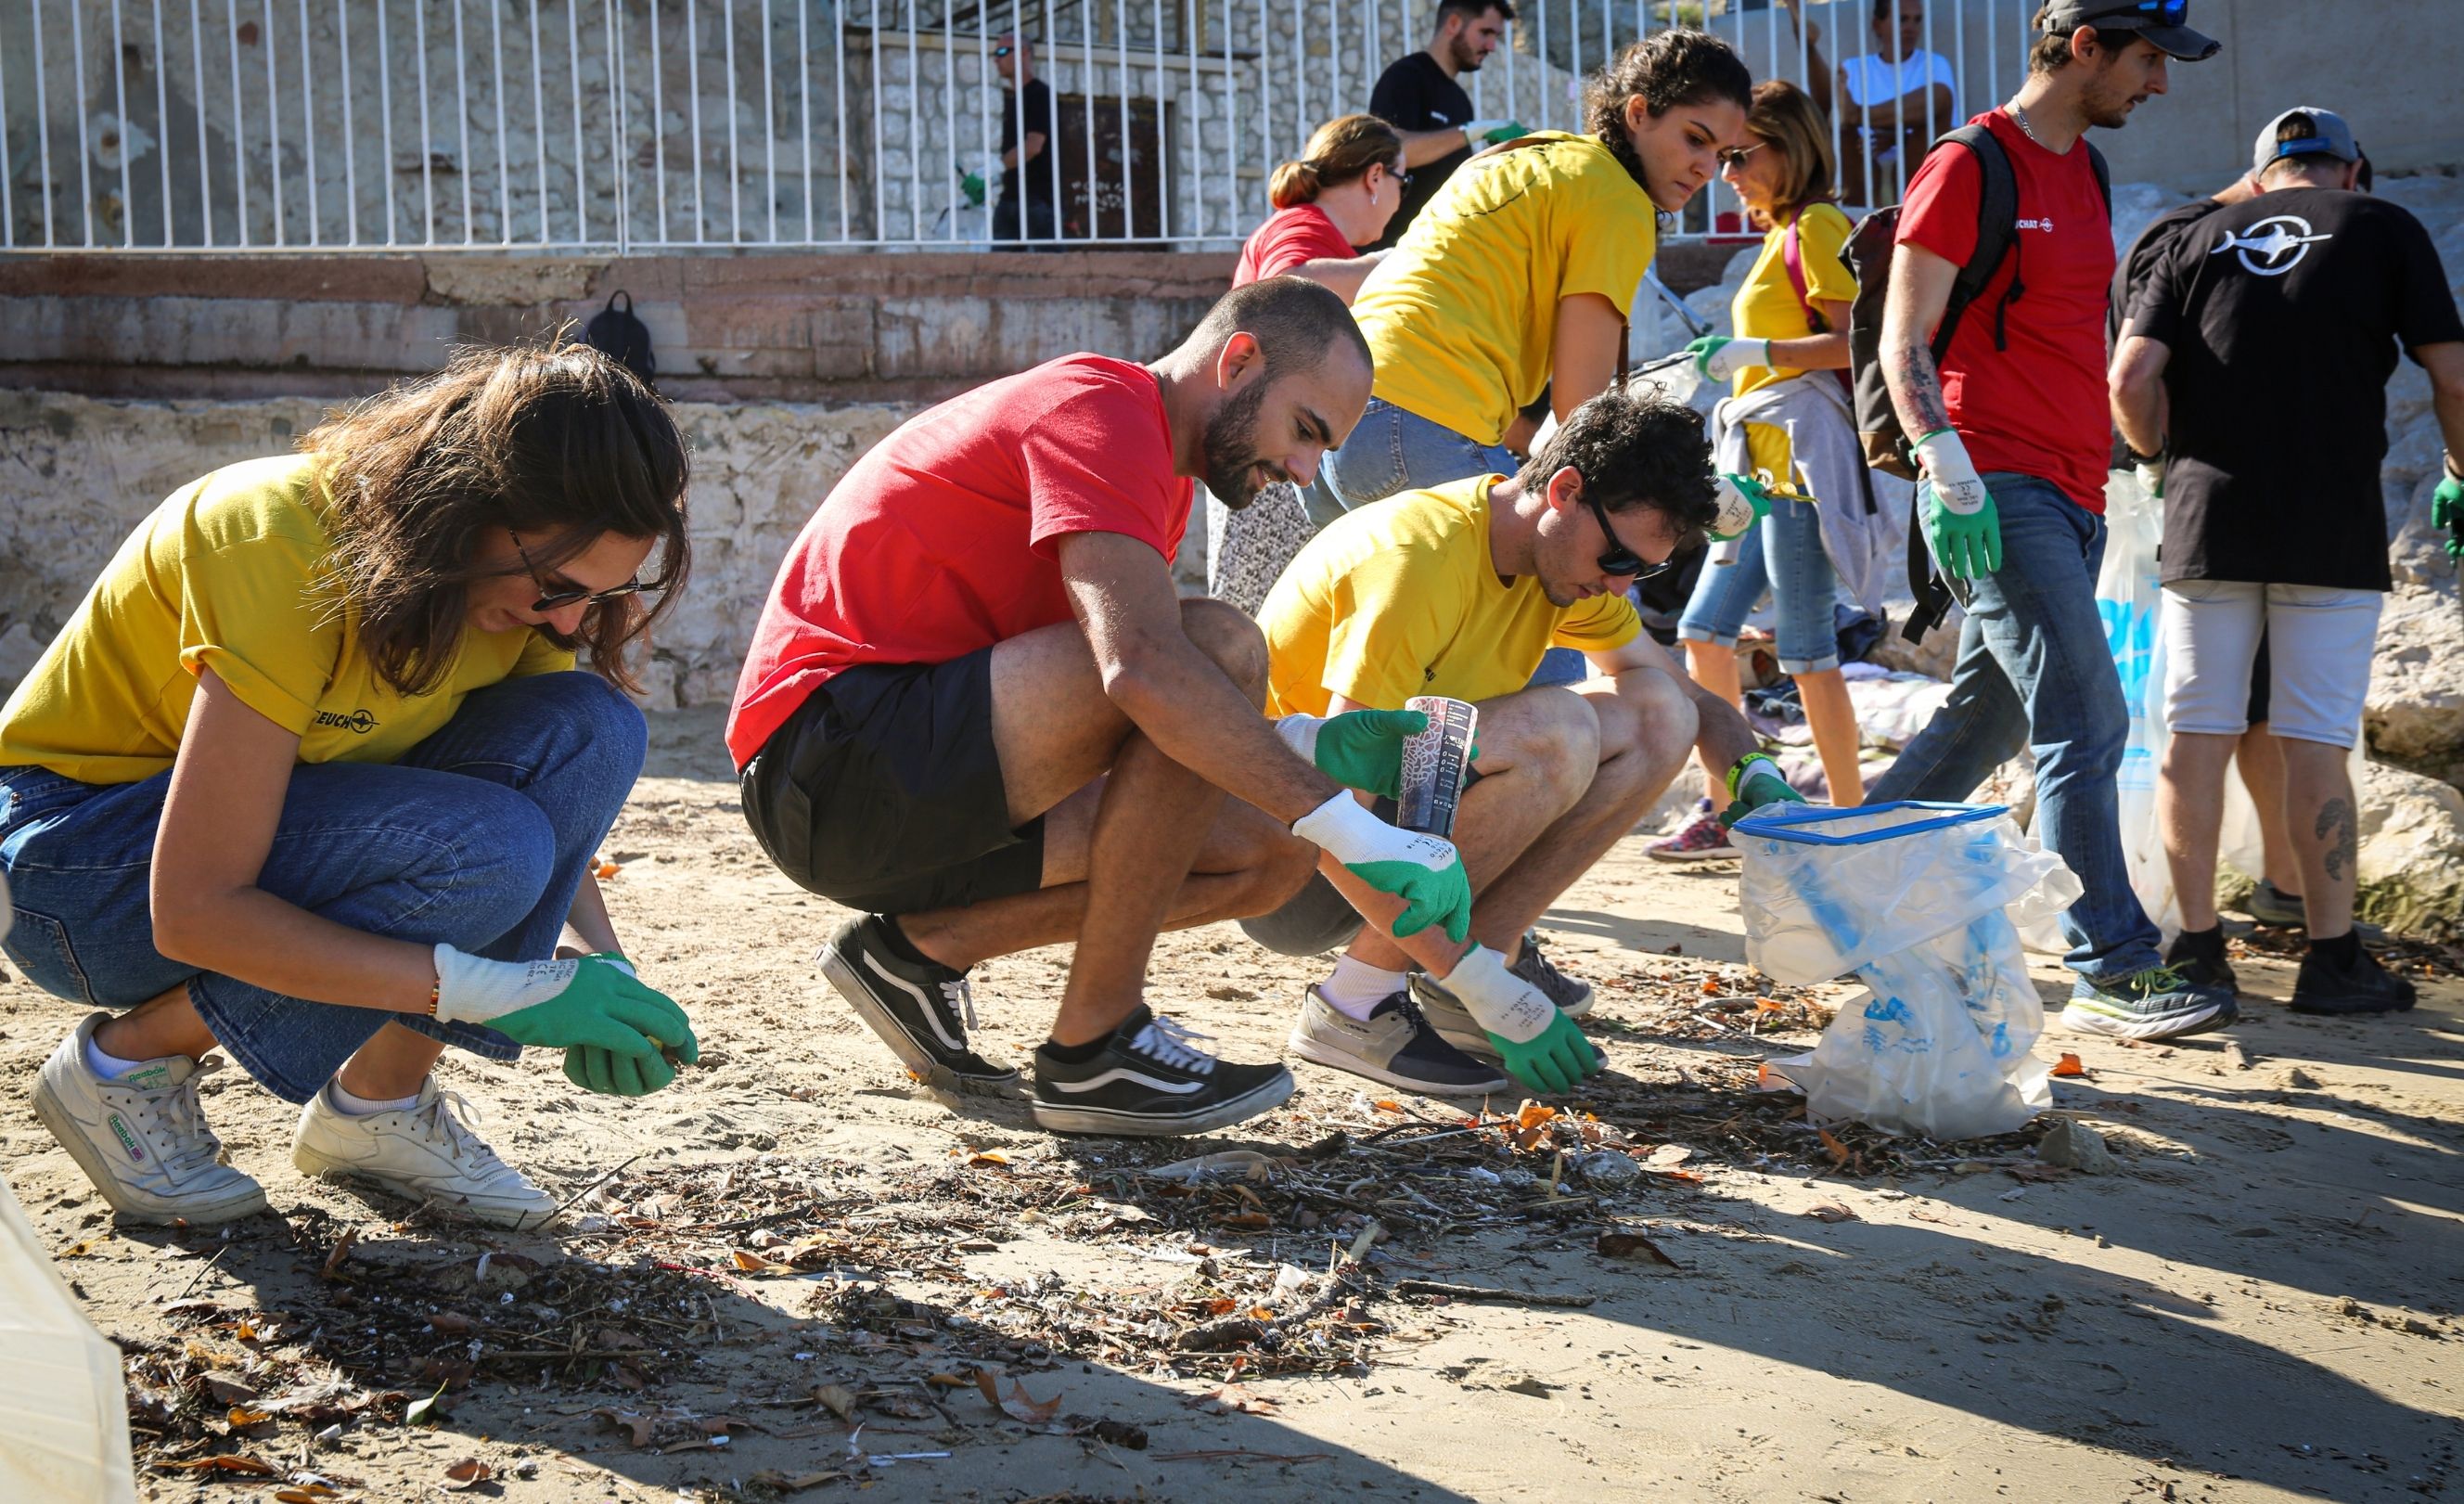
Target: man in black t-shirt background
column 1418, row 95
column 1025, row 113
column 2251, row 382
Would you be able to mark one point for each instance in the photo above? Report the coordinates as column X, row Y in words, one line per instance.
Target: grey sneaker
column 1394, row 1045
column 1572, row 994
column 142, row 1140
column 2158, row 1003
column 922, row 1013
column 1452, row 1020
column 2270, row 904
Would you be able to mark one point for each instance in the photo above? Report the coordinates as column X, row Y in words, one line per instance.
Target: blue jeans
column 2033, row 671
column 478, row 838
column 1391, row 449
column 1784, row 554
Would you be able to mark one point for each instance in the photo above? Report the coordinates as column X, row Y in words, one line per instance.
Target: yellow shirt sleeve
column 1599, row 624
column 247, row 612
column 1604, row 247
column 1822, row 246
column 1387, row 628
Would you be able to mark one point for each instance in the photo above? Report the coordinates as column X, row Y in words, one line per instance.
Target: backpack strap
column 1792, row 255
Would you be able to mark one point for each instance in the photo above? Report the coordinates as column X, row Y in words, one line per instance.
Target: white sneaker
column 142, row 1140
column 423, row 1152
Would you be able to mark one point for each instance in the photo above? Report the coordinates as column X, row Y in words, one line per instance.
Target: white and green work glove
column 1961, row 525
column 1538, row 1043
column 1718, row 358
column 1493, row 133
column 2447, row 509
column 2150, row 471
column 1359, row 749
column 1424, row 872
column 1754, row 781
column 608, row 1072
column 1742, row 501
column 591, row 1002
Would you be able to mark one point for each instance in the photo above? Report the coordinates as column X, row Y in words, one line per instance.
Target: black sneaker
column 2158, row 1003
column 2366, row 987
column 922, row 1013
column 1572, row 995
column 2202, row 965
column 1152, row 1081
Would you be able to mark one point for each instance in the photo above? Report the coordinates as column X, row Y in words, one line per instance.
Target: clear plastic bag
column 1921, row 903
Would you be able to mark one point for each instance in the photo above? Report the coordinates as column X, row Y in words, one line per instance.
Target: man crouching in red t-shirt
column 975, row 710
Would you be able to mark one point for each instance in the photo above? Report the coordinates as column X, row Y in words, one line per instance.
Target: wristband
column 1737, row 770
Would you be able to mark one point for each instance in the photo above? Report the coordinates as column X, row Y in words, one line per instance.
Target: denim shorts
column 1782, row 554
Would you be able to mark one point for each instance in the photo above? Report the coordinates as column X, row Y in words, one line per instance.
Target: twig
column 1239, row 1452
column 203, row 1272
column 568, row 1204
column 1528, row 1297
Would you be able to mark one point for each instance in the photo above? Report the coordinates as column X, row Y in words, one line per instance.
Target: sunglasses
column 1619, row 559
column 1002, row 51
column 558, row 600
column 1736, row 156
column 2165, row 12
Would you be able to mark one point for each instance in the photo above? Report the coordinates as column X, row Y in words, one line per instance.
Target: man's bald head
column 1279, row 374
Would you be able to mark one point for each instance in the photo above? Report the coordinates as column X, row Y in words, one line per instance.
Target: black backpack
column 1869, row 256
column 615, row 332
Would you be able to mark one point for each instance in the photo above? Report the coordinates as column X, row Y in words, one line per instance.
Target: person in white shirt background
column 1892, row 102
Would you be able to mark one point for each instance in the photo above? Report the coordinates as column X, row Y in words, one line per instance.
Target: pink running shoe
column 1704, row 839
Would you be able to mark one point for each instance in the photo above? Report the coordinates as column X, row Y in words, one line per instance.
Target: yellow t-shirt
column 1402, row 599
column 1462, row 317
column 1767, row 305
column 221, row 575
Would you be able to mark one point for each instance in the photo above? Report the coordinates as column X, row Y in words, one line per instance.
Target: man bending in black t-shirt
column 2283, row 313
column 1418, row 97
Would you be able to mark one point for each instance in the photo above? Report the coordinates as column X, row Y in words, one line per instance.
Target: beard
column 1466, row 61
column 1232, row 458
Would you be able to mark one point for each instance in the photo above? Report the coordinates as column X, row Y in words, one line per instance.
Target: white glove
column 1476, row 131
column 472, row 989
column 1298, row 731
column 1424, row 872
column 1726, row 361
column 2150, row 469
column 1499, row 1001
column 1950, row 472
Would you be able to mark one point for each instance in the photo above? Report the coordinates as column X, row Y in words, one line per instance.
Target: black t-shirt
column 2146, row 254
column 1037, row 110
column 2284, row 316
column 1414, row 94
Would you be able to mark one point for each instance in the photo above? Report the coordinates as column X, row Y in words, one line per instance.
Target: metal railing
column 624, row 126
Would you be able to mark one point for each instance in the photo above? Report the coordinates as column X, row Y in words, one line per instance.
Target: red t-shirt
column 942, row 539
column 2037, row 408
column 1288, row 237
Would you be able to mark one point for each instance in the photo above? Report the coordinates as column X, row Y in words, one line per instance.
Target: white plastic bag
column 1921, row 902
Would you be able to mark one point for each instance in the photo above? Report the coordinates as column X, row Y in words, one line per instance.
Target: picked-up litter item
column 1921, row 902
column 1434, row 764
column 63, row 1414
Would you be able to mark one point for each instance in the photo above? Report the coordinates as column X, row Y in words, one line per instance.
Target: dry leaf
column 248, row 1466
column 229, row 1391
column 1387, row 1105
column 1711, row 987
column 1230, row 1399
column 756, row 1263
column 1534, row 1114
column 1015, row 1403
column 2069, row 1064
column 1667, row 1157
column 1837, row 1151
column 421, row 1412
column 242, row 1417
column 468, row 1473
column 450, row 1323
column 83, row 1247
column 1252, row 1220
column 837, row 1397
column 991, row 1157
column 1764, row 1006
column 777, row 1482
column 1830, row 1211
column 341, row 1251
column 306, row 1493
column 1632, row 1245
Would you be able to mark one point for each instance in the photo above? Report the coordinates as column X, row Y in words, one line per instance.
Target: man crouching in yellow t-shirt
column 1458, row 590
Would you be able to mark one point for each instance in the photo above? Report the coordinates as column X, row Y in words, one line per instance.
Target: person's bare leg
column 2261, row 765
column 393, row 1064
column 1715, row 669
column 1538, row 751
column 2190, row 814
column 1832, row 717
column 165, row 1025
column 2326, row 832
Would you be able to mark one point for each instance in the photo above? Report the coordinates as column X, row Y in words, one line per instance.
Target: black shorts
column 883, row 792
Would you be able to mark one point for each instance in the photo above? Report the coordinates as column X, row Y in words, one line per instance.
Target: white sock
column 109, row 1067
column 351, row 1106
column 1356, row 987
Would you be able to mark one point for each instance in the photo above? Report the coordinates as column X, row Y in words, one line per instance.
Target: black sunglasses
column 1619, row 559
column 1002, row 51
column 2166, row 13
column 558, row 600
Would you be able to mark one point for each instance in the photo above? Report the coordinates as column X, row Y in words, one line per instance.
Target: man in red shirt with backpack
column 2008, row 422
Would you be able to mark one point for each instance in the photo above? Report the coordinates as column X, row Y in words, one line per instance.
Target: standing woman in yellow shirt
column 1788, row 423
column 309, row 776
column 1518, row 276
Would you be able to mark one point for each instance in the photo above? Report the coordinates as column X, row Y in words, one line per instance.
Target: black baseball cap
column 2160, row 21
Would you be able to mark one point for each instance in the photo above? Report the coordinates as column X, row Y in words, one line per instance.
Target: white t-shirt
column 1875, row 80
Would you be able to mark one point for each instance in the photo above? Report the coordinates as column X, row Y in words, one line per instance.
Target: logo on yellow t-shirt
column 359, row 721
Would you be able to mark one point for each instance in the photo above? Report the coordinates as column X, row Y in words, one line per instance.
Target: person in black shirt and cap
column 1027, row 129
column 1418, row 95
column 2292, row 306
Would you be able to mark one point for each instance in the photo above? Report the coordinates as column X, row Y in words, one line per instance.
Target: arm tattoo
column 1915, row 388
column 2336, row 827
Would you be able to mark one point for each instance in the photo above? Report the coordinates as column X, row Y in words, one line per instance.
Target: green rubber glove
column 1539, row 1046
column 612, row 1075
column 1359, row 749
column 1742, row 501
column 971, row 184
column 2446, row 511
column 1427, row 874
column 1494, row 133
column 1554, row 1063
column 561, row 1003
column 1961, row 523
column 1753, row 783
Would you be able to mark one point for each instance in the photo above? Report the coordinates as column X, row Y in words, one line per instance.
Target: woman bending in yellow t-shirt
column 309, row 776
column 1787, row 422
column 1518, row 276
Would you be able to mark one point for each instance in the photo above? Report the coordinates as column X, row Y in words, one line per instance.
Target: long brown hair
column 1785, row 119
column 1677, row 66
column 556, row 440
column 1340, row 150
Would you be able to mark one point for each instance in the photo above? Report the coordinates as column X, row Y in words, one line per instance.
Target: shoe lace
column 2157, row 978
column 959, row 998
column 452, row 1117
column 177, row 1119
column 1174, row 1045
column 1536, row 967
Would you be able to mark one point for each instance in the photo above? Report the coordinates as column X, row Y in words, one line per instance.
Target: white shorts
column 2319, row 646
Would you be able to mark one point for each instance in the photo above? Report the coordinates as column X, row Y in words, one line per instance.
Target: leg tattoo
column 2336, row 821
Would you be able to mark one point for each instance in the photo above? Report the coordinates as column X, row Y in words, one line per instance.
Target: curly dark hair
column 557, row 440
column 1635, row 449
column 1666, row 69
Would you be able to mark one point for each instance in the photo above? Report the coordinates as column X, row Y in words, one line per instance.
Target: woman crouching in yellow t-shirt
column 1518, row 276
column 309, row 776
column 1788, row 423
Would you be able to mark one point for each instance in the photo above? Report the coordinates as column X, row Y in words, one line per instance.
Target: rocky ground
column 797, row 1273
